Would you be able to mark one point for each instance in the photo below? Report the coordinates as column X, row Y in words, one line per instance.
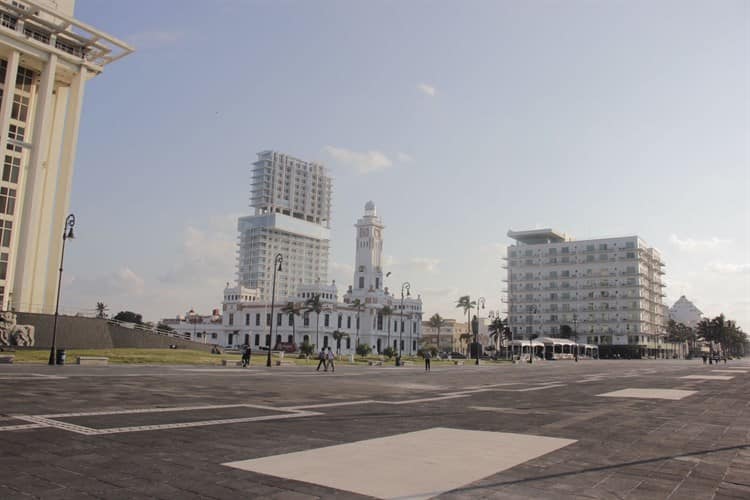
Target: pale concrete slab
column 707, row 377
column 673, row 394
column 730, row 370
column 414, row 465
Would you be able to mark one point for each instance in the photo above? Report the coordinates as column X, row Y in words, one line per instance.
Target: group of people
column 325, row 359
column 714, row 358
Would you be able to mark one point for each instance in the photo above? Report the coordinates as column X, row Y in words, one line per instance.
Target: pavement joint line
column 421, row 400
column 78, row 429
column 157, row 410
column 327, row 405
column 205, row 423
column 540, row 387
column 21, row 427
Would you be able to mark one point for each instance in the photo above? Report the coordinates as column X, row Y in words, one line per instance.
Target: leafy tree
column 292, row 310
column 165, row 327
column 307, row 348
column 129, row 317
column 437, row 322
column 313, row 304
column 496, row 329
column 389, row 352
column 364, row 349
column 101, row 310
column 338, row 336
column 464, row 302
column 566, row 331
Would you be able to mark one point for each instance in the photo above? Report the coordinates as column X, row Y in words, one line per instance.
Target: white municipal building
column 246, row 318
column 292, row 202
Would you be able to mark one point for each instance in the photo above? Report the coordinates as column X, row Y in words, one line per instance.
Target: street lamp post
column 531, row 337
column 404, row 286
column 70, row 221
column 575, row 333
column 276, row 266
column 482, row 301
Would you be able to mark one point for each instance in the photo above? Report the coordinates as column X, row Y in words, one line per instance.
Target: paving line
column 157, row 410
column 78, row 429
column 21, row 427
column 204, row 423
column 540, row 388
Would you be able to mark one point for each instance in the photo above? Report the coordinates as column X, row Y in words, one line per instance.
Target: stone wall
column 74, row 332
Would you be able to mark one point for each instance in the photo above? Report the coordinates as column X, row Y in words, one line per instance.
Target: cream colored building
column 609, row 290
column 46, row 58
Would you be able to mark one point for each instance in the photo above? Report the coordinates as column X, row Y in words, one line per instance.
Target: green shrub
column 307, row 348
column 389, row 352
column 364, row 349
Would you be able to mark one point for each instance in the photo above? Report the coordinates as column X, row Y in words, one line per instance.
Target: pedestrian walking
column 322, row 361
column 705, row 358
column 330, row 360
column 427, row 357
column 246, row 353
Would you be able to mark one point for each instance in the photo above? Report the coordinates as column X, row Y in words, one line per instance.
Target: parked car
column 456, row 355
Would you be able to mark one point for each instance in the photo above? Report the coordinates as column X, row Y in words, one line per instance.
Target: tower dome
column 370, row 208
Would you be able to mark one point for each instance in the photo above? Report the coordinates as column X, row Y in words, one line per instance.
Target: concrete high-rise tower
column 46, row 58
column 292, row 202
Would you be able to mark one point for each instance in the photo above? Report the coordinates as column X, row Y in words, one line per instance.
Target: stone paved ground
column 695, row 447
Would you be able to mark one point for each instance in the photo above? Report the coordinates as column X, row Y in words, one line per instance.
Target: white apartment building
column 292, row 202
column 46, row 58
column 608, row 291
column 684, row 311
column 247, row 318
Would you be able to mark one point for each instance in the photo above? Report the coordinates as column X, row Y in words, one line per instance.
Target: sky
column 460, row 120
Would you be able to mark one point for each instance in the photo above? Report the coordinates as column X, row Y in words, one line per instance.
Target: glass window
column 7, row 201
column 6, row 227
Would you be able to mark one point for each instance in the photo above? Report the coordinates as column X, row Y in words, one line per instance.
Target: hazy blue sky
column 461, row 120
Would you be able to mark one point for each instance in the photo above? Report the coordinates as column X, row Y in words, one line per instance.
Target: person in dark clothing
column 322, row 361
column 705, row 358
column 427, row 357
column 246, row 353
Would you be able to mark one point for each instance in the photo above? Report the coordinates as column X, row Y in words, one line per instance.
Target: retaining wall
column 75, row 332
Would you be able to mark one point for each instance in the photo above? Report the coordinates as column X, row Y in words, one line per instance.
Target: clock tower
column 368, row 270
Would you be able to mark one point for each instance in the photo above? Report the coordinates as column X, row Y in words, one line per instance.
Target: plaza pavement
column 594, row 429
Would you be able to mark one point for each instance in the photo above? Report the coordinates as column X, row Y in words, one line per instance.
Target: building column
column 11, row 73
column 65, row 177
column 24, row 293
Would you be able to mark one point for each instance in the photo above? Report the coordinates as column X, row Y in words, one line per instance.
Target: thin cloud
column 364, row 162
column 694, row 245
column 727, row 268
column 427, row 89
column 404, row 158
column 425, row 263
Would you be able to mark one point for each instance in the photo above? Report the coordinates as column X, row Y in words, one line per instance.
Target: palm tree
column 357, row 304
column 387, row 311
column 101, row 310
column 437, row 321
column 314, row 304
column 467, row 305
column 496, row 329
column 337, row 336
column 293, row 310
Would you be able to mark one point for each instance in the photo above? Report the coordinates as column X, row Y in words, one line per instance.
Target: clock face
column 363, row 231
column 377, row 233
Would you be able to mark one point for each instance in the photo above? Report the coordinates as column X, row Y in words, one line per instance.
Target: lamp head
column 70, row 235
